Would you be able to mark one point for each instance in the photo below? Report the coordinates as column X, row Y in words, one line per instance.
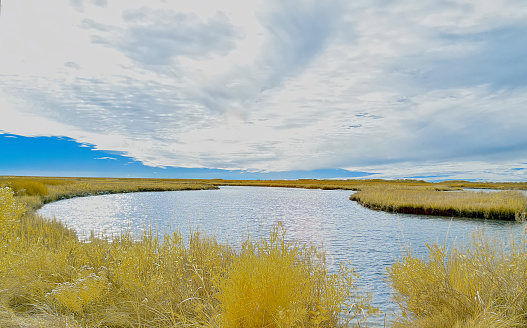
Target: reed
column 483, row 285
column 49, row 278
column 503, row 205
column 275, row 283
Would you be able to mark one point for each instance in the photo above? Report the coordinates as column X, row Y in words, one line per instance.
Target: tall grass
column 28, row 187
column 503, row 205
column 484, row 285
column 275, row 283
column 50, row 278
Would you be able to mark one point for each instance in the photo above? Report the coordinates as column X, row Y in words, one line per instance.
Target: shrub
column 482, row 286
column 275, row 283
column 28, row 187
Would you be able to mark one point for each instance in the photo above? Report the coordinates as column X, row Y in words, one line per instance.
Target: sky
column 432, row 90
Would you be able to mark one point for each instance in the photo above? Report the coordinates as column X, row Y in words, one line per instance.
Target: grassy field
column 48, row 278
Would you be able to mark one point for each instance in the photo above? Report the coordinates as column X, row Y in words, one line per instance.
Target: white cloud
column 273, row 85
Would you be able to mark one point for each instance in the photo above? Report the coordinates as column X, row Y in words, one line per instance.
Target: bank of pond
column 268, row 265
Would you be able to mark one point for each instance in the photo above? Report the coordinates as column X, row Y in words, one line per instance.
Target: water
column 369, row 240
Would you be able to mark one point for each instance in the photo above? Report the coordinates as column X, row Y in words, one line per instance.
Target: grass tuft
column 275, row 283
column 481, row 286
column 27, row 187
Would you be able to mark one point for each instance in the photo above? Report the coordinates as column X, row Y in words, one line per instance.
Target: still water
column 369, row 240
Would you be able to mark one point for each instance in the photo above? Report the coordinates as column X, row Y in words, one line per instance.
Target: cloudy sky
column 395, row 89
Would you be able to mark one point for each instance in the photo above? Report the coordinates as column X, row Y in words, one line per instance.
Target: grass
column 503, row 205
column 36, row 191
column 484, row 285
column 49, row 278
column 360, row 184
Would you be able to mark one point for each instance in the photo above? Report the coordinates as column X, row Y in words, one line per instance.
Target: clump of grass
column 28, row 187
column 275, row 283
column 481, row 286
column 50, row 278
column 503, row 205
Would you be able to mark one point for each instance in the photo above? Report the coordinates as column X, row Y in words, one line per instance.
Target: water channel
column 369, row 240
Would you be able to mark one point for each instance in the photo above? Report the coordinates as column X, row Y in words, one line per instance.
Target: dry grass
column 50, row 279
column 274, row 283
column 481, row 286
column 360, row 184
column 36, row 191
column 503, row 205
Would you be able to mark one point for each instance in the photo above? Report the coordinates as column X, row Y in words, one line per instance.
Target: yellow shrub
column 483, row 286
column 28, row 187
column 275, row 283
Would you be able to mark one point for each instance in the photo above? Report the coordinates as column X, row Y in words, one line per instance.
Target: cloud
column 451, row 170
column 79, row 4
column 156, row 37
column 294, row 85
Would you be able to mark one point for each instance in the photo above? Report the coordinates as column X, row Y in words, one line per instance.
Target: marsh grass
column 37, row 191
column 503, row 205
column 275, row 283
column 49, row 278
column 484, row 285
column 360, row 184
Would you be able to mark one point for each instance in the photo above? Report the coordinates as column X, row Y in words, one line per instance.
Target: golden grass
column 36, row 191
column 28, row 187
column 49, row 278
column 503, row 205
column 481, row 286
column 274, row 283
column 360, row 184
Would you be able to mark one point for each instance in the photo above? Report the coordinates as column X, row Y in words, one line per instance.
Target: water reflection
column 369, row 240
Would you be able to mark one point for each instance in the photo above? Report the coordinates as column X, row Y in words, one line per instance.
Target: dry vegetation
column 48, row 278
column 502, row 205
column 445, row 198
column 36, row 191
column 360, row 184
column 478, row 287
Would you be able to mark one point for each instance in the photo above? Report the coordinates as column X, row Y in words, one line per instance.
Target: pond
column 369, row 240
